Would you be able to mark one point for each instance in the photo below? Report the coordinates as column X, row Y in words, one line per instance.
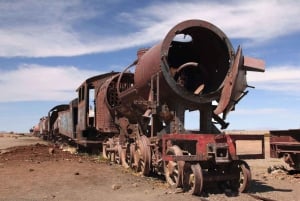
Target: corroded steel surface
column 169, row 55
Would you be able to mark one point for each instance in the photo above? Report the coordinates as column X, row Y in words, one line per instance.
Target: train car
column 87, row 119
column 52, row 117
column 63, row 118
column 41, row 127
column 43, row 124
column 35, row 130
column 286, row 144
column 139, row 117
column 96, row 96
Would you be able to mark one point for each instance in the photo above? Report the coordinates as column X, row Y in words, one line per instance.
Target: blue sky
column 48, row 48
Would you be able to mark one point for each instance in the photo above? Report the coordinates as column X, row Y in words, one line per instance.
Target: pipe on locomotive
column 196, row 64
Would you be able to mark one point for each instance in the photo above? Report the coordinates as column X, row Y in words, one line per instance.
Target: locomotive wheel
column 107, row 144
column 174, row 169
column 142, row 156
column 131, row 160
column 118, row 154
column 196, row 179
column 124, row 158
column 243, row 176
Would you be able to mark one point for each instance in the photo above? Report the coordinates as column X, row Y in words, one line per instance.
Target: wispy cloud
column 35, row 82
column 284, row 79
column 50, row 28
column 263, row 111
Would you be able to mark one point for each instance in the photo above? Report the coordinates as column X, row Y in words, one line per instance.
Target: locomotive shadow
column 258, row 186
column 255, row 187
column 296, row 173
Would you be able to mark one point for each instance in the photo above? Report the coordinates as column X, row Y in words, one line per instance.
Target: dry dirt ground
column 31, row 170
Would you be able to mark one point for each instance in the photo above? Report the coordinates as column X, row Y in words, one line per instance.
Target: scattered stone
column 31, row 170
column 265, row 178
column 51, row 151
column 276, row 169
column 178, row 190
column 76, row 173
column 135, row 185
column 69, row 149
column 116, row 186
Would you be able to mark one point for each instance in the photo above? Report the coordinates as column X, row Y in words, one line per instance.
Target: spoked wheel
column 196, row 179
column 174, row 169
column 242, row 173
column 142, row 156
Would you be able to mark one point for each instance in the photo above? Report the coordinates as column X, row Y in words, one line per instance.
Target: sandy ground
column 30, row 169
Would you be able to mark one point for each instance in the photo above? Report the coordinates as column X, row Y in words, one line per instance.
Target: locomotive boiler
column 138, row 115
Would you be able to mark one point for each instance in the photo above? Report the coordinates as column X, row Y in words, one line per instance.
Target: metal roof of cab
column 97, row 77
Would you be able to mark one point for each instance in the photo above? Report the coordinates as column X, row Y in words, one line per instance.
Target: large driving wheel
column 174, row 169
column 242, row 175
column 142, row 156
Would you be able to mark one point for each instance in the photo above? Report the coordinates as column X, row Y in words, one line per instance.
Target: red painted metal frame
column 202, row 140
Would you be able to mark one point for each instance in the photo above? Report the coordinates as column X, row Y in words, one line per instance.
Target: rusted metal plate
column 65, row 123
column 104, row 119
column 253, row 64
column 291, row 135
column 229, row 83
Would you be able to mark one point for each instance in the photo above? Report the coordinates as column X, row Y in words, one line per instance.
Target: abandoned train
column 138, row 117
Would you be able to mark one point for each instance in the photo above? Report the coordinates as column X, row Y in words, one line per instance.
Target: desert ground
column 32, row 169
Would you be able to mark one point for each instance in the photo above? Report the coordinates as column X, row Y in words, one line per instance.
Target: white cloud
column 34, row 82
column 284, row 79
column 63, row 28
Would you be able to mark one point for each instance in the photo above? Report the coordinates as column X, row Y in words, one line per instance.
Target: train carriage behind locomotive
column 89, row 118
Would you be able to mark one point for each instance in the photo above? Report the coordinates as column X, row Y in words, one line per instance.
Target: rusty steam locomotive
column 138, row 117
